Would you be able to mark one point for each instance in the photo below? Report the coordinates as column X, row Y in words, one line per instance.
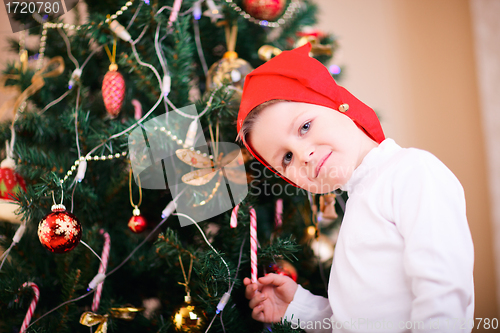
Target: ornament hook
column 136, row 206
column 188, row 278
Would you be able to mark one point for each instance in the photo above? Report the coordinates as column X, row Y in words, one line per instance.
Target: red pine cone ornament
column 113, row 90
column 268, row 10
column 11, row 185
column 59, row 231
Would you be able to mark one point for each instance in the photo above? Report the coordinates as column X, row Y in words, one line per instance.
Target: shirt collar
column 371, row 163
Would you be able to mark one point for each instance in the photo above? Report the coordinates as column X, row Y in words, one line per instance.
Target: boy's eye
column 288, row 156
column 305, row 127
column 286, row 160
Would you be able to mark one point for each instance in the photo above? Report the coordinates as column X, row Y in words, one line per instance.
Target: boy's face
column 315, row 147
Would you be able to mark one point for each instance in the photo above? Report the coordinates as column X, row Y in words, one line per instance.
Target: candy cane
column 102, row 268
column 32, row 307
column 278, row 215
column 234, row 216
column 253, row 245
column 137, row 109
column 175, row 12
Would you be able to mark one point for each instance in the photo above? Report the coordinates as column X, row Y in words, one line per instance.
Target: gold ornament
column 23, row 61
column 327, row 207
column 126, row 313
column 230, row 166
column 37, row 82
column 90, row 319
column 230, row 69
column 317, row 48
column 322, row 245
column 189, row 318
column 266, row 52
column 323, row 248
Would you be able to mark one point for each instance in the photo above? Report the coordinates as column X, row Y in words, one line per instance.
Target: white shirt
column 404, row 256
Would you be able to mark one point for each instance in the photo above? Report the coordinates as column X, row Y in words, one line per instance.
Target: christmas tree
column 109, row 233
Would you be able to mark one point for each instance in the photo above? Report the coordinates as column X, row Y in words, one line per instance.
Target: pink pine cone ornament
column 113, row 91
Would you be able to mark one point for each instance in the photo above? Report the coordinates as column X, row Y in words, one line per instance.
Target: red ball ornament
column 282, row 267
column 113, row 91
column 268, row 10
column 137, row 223
column 59, row 231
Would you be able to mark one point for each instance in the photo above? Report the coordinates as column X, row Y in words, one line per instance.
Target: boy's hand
column 270, row 296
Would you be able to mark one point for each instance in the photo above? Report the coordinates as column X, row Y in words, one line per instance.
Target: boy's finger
column 247, row 281
column 257, row 300
column 250, row 291
column 258, row 313
column 252, row 288
column 273, row 279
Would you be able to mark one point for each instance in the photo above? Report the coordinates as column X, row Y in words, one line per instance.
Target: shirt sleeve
column 309, row 312
column 430, row 213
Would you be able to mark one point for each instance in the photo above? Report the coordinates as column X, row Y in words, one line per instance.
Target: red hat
column 295, row 76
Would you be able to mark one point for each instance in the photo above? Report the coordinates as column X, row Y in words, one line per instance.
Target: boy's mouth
column 321, row 162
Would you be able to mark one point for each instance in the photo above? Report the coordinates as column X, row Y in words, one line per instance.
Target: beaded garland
column 290, row 10
column 66, row 26
column 91, row 158
column 172, row 136
column 180, row 142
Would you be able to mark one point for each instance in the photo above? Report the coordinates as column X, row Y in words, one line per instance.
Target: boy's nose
column 306, row 155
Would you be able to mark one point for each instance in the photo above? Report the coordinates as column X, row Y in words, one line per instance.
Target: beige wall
column 413, row 62
column 486, row 23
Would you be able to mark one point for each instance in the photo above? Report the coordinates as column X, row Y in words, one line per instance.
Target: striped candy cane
column 32, row 307
column 102, row 268
column 137, row 109
column 175, row 12
column 253, row 245
column 278, row 214
column 234, row 216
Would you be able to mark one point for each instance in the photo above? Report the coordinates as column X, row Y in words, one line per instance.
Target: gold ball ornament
column 230, row 69
column 323, row 248
column 189, row 318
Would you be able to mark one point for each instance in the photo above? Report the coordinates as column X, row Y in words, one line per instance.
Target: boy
column 404, row 256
